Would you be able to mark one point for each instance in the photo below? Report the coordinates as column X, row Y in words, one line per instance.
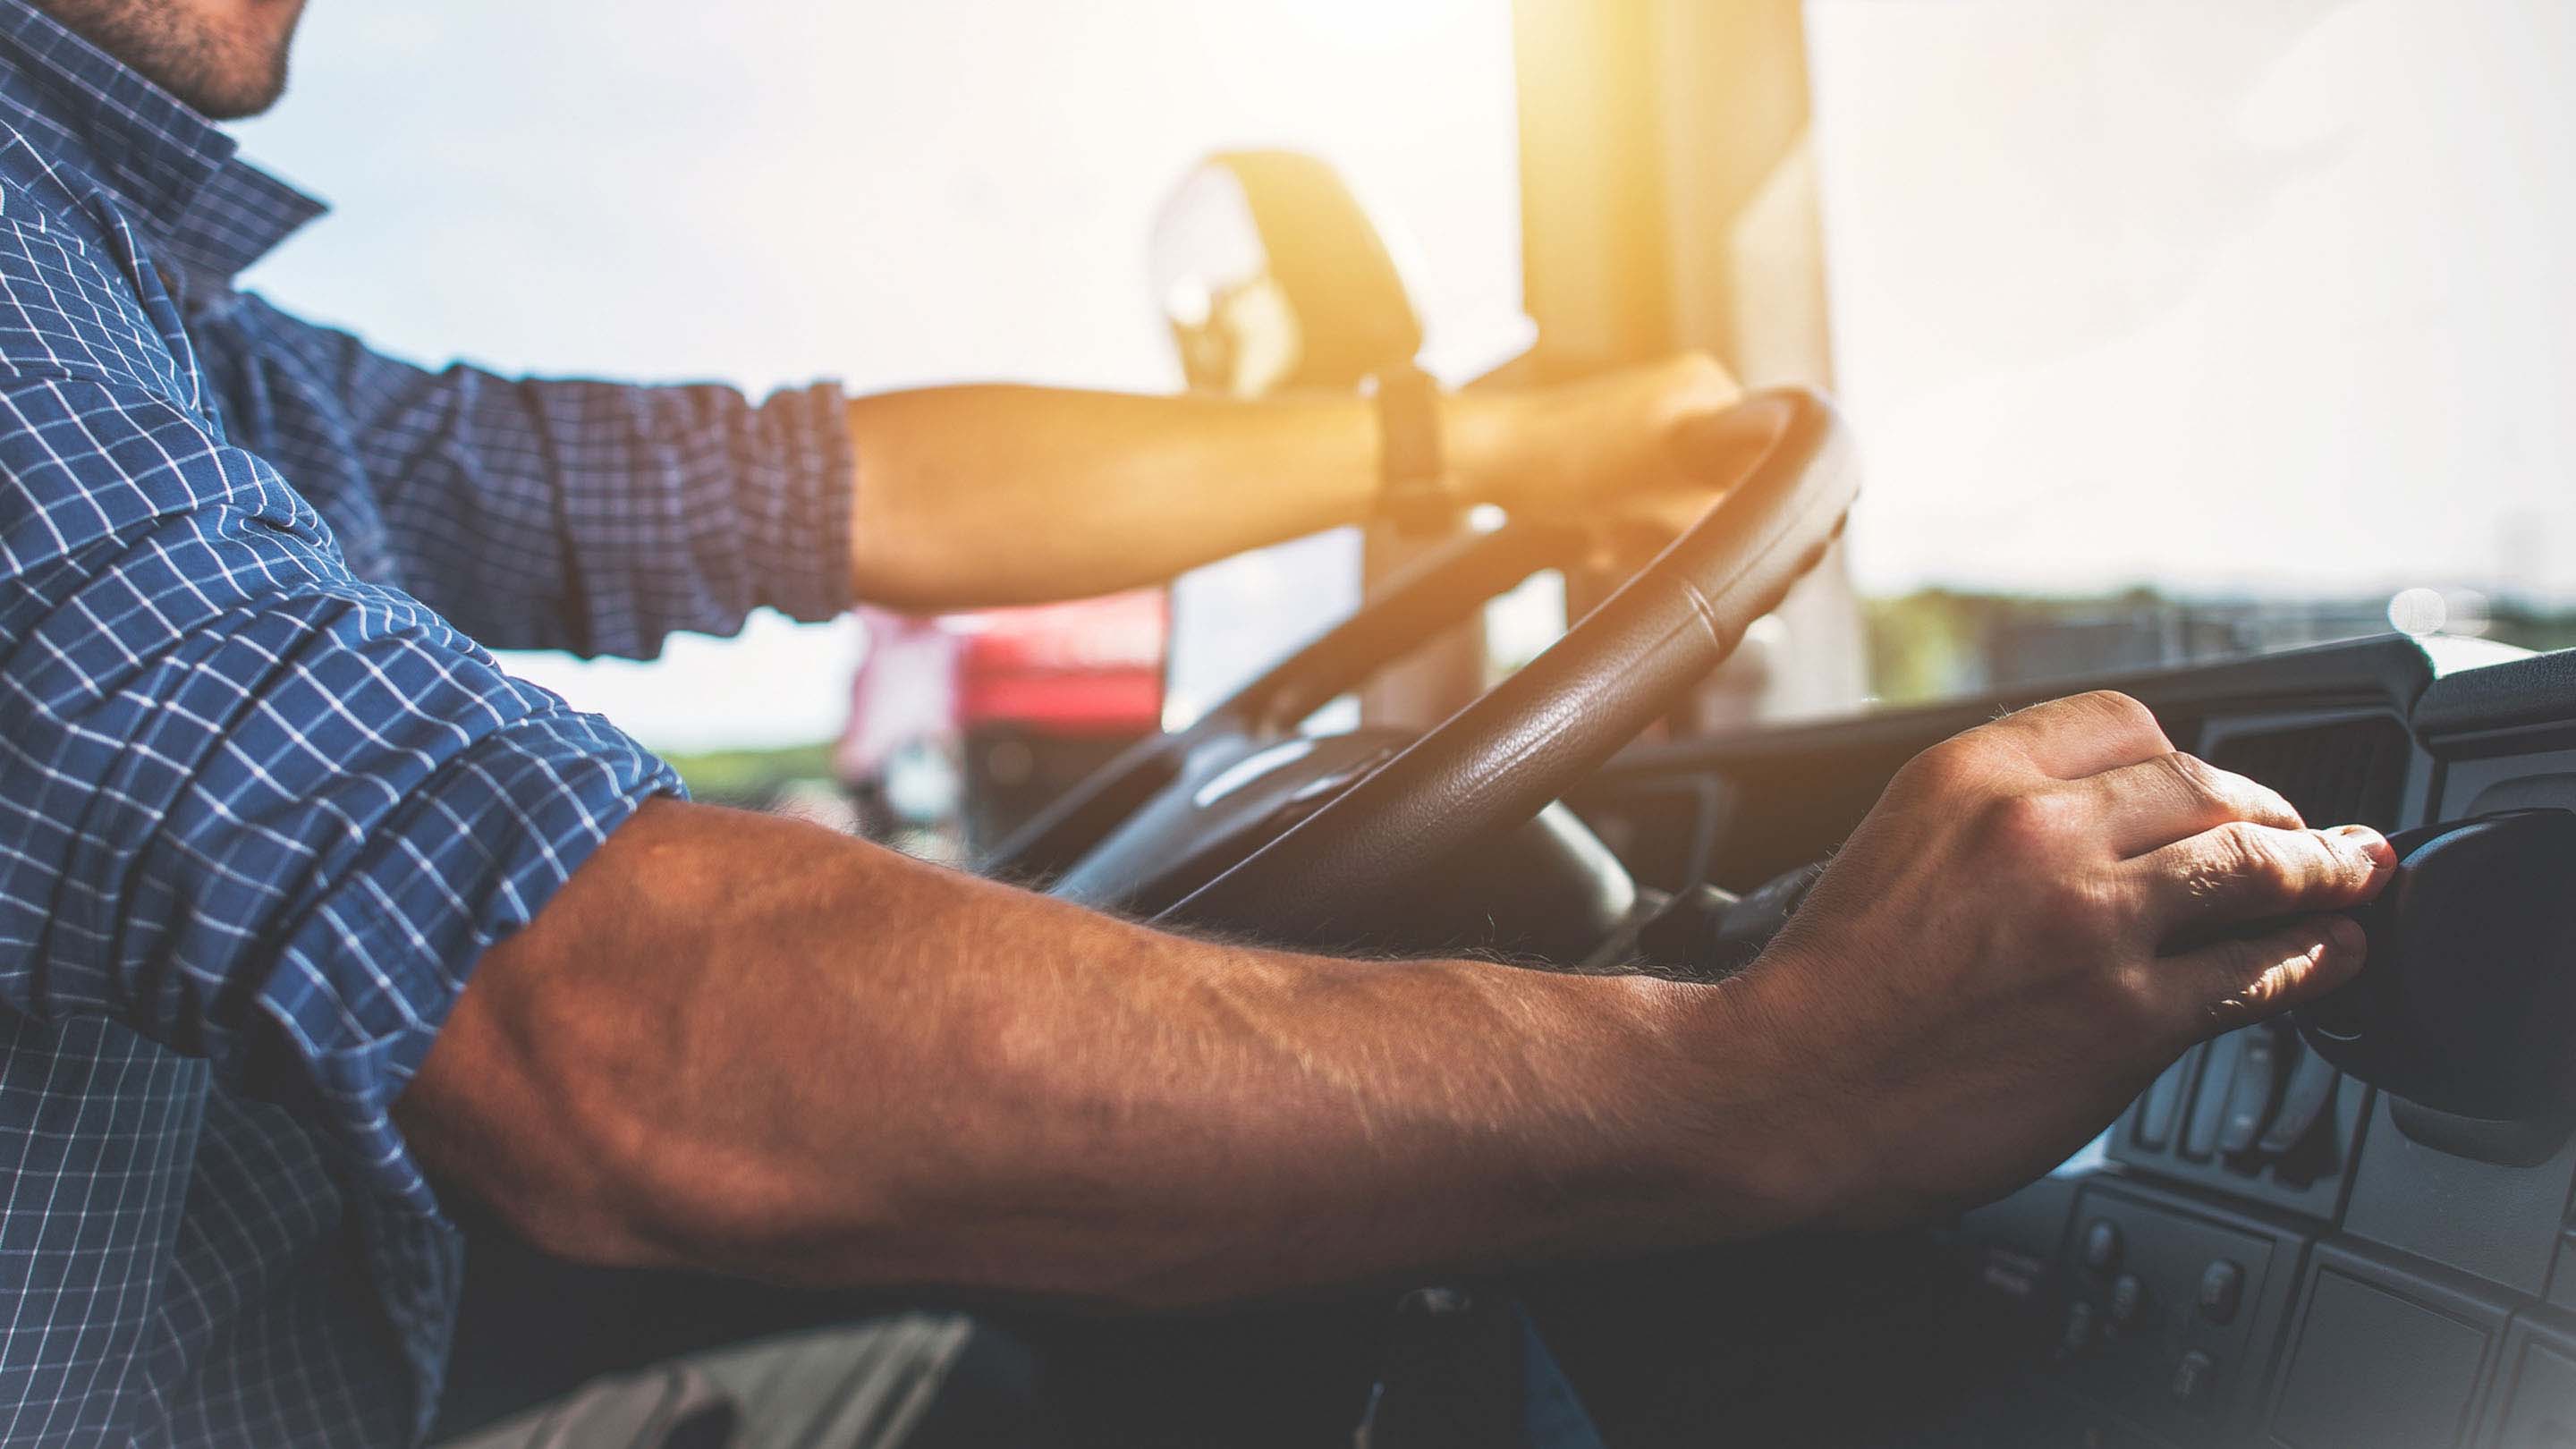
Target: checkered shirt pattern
column 264, row 797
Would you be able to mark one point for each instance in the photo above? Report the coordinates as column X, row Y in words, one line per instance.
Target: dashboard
column 2263, row 1250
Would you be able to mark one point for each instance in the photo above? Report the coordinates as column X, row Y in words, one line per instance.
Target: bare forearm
column 748, row 1045
column 973, row 496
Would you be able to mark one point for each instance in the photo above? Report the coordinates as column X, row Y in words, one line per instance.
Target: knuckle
column 2250, row 855
column 1955, row 765
column 2205, row 880
column 2027, row 826
column 2250, row 983
column 2214, row 1002
column 2260, row 990
column 2125, row 712
column 2195, row 777
column 2139, row 992
column 2239, row 795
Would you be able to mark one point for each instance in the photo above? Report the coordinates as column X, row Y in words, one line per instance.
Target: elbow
column 604, row 1186
column 574, row 1225
column 494, row 1139
column 570, row 1153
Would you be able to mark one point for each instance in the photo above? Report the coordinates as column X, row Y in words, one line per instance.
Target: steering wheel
column 1239, row 823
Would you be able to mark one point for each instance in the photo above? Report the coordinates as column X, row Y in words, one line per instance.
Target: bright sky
column 2213, row 293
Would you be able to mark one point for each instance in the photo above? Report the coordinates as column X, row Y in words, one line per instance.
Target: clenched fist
column 2036, row 918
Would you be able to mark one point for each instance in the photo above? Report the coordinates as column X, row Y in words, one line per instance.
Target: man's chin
column 230, row 78
column 224, row 64
column 236, row 100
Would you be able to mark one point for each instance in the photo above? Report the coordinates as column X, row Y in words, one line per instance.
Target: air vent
column 2333, row 774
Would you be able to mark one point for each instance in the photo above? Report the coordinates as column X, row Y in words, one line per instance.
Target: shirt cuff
column 369, row 976
column 686, row 507
column 806, row 531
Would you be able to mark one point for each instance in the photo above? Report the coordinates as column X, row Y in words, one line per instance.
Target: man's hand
column 1598, row 451
column 2037, row 917
column 749, row 1045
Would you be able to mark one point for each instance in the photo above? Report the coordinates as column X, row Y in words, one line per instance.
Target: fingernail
column 2344, row 936
column 2370, row 843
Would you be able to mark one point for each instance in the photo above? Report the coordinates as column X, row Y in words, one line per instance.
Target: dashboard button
column 2222, row 1288
column 2209, row 1105
column 2075, row 1336
column 2102, row 1245
column 2193, row 1376
column 2128, row 1299
column 2303, row 1101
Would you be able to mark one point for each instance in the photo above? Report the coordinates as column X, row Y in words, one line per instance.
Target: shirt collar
column 172, row 168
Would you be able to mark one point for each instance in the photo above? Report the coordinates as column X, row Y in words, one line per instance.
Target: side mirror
column 1272, row 276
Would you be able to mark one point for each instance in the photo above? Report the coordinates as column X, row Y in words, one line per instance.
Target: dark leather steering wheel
column 1198, row 831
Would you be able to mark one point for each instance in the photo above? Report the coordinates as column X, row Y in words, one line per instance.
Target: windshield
column 2167, row 330
column 2179, row 330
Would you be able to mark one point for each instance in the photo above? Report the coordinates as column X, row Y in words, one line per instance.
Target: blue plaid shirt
column 264, row 798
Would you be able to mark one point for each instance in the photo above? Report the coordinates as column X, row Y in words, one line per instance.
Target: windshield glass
column 2167, row 330
column 2180, row 330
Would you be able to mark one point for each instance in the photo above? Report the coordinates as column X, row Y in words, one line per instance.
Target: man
column 306, row 906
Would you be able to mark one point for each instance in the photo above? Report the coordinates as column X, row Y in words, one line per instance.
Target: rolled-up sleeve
column 251, row 807
column 593, row 517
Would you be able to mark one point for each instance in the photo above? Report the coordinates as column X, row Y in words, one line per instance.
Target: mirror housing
column 1272, row 276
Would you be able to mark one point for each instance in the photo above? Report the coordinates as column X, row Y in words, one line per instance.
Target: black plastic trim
column 2537, row 691
column 2390, row 670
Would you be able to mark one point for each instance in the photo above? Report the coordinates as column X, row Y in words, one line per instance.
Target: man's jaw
column 225, row 58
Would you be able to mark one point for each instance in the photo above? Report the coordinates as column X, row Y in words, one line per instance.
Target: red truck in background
column 962, row 725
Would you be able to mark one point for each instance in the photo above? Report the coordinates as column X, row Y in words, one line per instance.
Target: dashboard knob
column 2222, row 1288
column 2102, row 1245
column 2467, row 1001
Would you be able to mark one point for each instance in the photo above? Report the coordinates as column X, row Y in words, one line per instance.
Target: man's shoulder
column 72, row 285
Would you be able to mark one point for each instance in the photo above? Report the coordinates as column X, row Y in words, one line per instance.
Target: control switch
column 2193, row 1376
column 2222, row 1291
column 2252, row 1092
column 2209, row 1105
column 2102, row 1245
column 2303, row 1102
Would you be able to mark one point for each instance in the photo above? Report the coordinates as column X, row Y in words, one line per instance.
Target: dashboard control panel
column 2257, row 1112
column 2170, row 1307
column 2289, row 1253
column 2355, row 1229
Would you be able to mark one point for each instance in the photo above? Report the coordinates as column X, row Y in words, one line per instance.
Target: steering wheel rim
column 1498, row 761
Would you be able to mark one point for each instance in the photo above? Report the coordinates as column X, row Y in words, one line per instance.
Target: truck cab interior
column 2346, row 1229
